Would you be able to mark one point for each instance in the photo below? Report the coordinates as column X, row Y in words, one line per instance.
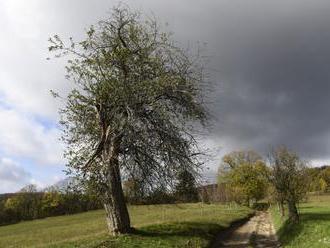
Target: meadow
column 314, row 227
column 176, row 225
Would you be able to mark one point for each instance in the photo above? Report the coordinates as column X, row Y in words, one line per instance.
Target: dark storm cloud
column 270, row 61
column 276, row 80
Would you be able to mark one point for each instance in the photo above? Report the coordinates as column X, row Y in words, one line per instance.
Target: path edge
column 226, row 232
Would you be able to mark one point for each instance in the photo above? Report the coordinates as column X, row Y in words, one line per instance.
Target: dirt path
column 257, row 232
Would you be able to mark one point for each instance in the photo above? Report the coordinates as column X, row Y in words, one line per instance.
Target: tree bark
column 117, row 216
column 293, row 212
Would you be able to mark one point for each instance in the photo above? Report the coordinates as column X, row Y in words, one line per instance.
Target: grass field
column 313, row 229
column 182, row 225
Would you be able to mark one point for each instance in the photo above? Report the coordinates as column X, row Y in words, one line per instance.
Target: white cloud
column 319, row 162
column 12, row 176
column 29, row 95
column 24, row 17
column 26, row 77
column 23, row 137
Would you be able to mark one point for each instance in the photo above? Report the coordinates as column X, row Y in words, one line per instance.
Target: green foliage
column 133, row 89
column 312, row 230
column 323, row 185
column 175, row 225
column 250, row 180
column 137, row 192
column 160, row 196
column 51, row 202
column 24, row 206
column 320, row 179
column 325, row 175
column 290, row 179
column 29, row 205
column 290, row 176
column 236, row 158
column 245, row 176
column 185, row 189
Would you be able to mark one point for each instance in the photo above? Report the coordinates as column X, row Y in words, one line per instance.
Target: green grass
column 313, row 229
column 182, row 225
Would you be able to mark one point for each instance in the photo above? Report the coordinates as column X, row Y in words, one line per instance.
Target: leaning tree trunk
column 118, row 220
column 293, row 212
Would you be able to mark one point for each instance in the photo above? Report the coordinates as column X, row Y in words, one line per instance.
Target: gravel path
column 258, row 232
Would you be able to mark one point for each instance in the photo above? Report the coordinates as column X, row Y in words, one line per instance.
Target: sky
column 268, row 61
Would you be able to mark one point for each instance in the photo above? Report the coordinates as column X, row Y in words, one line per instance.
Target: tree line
column 29, row 204
column 244, row 177
column 185, row 189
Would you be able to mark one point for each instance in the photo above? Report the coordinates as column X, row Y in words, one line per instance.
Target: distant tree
column 323, row 185
column 25, row 203
column 51, row 203
column 134, row 191
column 29, row 205
column 290, row 179
column 186, row 188
column 135, row 99
column 12, row 203
column 236, row 158
column 30, row 188
column 325, row 179
column 250, row 181
column 160, row 195
column 315, row 184
column 320, row 179
column 246, row 175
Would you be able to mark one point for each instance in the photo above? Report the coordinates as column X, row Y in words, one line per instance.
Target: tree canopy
column 136, row 98
column 290, row 178
column 246, row 175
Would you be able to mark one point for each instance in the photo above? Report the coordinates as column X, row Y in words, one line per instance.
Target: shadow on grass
column 226, row 233
column 305, row 207
column 183, row 234
column 187, row 229
column 289, row 232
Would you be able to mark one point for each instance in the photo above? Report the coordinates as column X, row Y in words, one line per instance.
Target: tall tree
column 289, row 178
column 132, row 109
